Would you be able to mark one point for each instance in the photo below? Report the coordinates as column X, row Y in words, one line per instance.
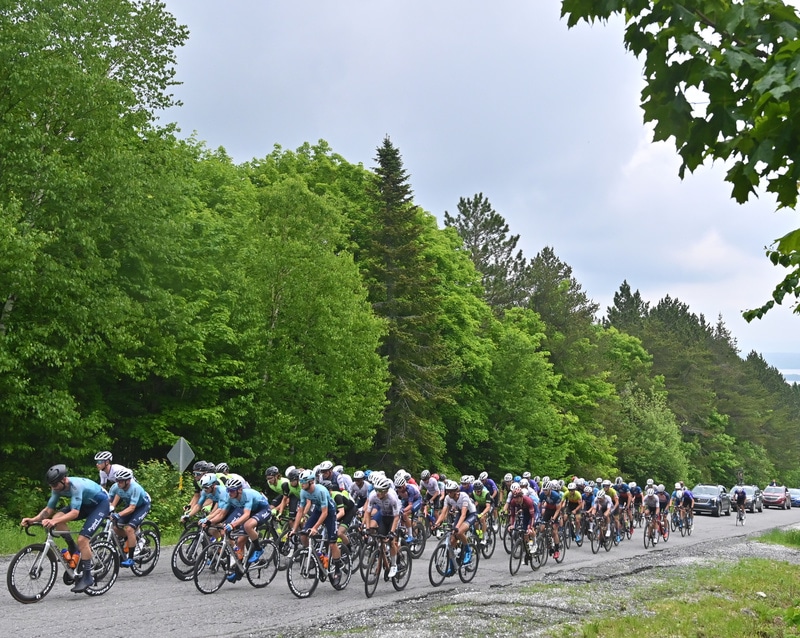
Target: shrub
column 163, row 483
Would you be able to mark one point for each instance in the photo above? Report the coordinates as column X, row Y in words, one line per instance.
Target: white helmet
column 651, row 491
column 325, row 466
column 467, row 479
column 508, row 477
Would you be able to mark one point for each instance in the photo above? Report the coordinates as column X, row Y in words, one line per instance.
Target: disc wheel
column 31, row 573
column 261, row 572
column 404, row 563
column 211, row 568
column 302, row 574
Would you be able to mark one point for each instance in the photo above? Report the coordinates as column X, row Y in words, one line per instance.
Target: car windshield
column 707, row 490
column 794, row 491
column 773, row 489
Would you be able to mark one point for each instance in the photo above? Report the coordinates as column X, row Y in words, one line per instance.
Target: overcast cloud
column 499, row 98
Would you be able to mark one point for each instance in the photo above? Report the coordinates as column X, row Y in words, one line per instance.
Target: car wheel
column 718, row 511
column 761, row 508
column 728, row 511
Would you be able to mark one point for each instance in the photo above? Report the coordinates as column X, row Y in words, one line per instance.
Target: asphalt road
column 161, row 605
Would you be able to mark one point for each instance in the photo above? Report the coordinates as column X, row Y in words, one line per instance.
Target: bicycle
column 417, row 545
column 650, row 531
column 194, row 540
column 663, row 525
column 148, row 546
column 741, row 515
column 310, row 565
column 380, row 560
column 33, row 570
column 485, row 542
column 598, row 536
column 446, row 562
column 277, row 530
column 534, row 551
column 221, row 558
column 550, row 543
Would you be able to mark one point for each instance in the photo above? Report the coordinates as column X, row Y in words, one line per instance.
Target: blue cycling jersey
column 82, row 492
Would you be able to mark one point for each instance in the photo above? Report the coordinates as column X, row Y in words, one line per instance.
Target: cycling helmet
column 560, row 484
column 515, row 488
column 56, row 473
column 123, row 475
column 606, row 484
column 524, row 483
column 478, row 486
column 598, row 480
column 618, row 480
column 526, row 475
column 678, row 494
column 289, row 469
column 382, row 484
column 223, row 468
column 649, row 481
column 651, row 491
column 234, row 484
column 572, row 487
column 483, row 476
column 425, row 475
column 591, row 483
column 632, row 484
column 328, row 485
column 601, row 493
column 103, row 456
column 367, row 473
column 545, row 479
column 293, row 475
column 338, row 468
column 517, row 478
column 508, row 478
column 306, row 476
column 661, row 487
column 587, row 490
column 400, row 473
column 537, row 479
column 208, row 467
column 547, row 486
column 325, row 466
column 207, row 480
column 358, row 475
column 677, row 486
column 467, row 479
column 271, row 471
column 400, row 482
column 451, row 486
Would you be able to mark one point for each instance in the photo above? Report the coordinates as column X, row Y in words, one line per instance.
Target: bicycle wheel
column 467, row 570
column 647, row 537
column 404, row 564
column 491, row 542
column 665, row 529
column 367, row 548
column 628, row 529
column 682, row 527
column 303, row 573
column 673, row 522
column 515, row 558
column 595, row 537
column 439, row 567
column 211, row 568
column 615, row 533
column 689, row 525
column 374, row 566
column 417, row 547
column 32, row 573
column 562, row 550
column 579, row 535
column 153, row 527
column 261, row 572
column 185, row 555
column 145, row 561
column 608, row 541
column 105, row 567
column 346, row 569
column 540, row 553
column 508, row 539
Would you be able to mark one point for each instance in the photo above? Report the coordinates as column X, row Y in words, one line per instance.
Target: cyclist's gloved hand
column 114, row 517
column 202, row 521
column 229, row 528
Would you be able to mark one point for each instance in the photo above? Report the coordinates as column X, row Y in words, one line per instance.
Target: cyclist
column 411, row 503
column 137, row 506
column 198, row 470
column 345, row 480
column 637, row 496
column 625, row 498
column 211, row 491
column 360, row 490
column 573, row 497
column 345, row 509
column 484, row 505
column 324, row 513
column 491, row 486
column 460, row 503
column 552, row 502
column 382, row 514
column 466, row 484
column 652, row 507
column 521, row 503
column 603, row 504
column 325, row 472
column 106, row 469
column 740, row 498
column 87, row 501
column 276, row 489
column 432, row 492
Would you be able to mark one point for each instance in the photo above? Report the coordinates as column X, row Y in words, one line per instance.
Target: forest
column 300, row 307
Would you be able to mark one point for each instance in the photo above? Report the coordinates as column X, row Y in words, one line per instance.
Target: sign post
column 180, row 456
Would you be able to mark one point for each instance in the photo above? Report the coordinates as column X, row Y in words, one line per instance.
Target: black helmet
column 56, row 473
column 271, row 471
column 200, row 466
column 293, row 475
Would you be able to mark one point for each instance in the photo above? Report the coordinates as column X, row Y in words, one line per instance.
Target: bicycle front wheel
column 417, row 547
column 515, row 558
column 491, row 542
column 439, row 567
column 404, row 563
column 539, row 556
column 32, row 573
column 302, row 574
column 185, row 554
column 105, row 567
column 211, row 568
column 374, row 565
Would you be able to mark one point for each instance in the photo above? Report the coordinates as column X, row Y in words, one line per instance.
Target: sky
column 499, row 98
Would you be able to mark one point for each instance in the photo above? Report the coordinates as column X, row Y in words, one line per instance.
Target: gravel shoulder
column 545, row 607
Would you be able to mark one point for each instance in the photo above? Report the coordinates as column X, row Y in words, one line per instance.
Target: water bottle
column 323, row 559
column 140, row 544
